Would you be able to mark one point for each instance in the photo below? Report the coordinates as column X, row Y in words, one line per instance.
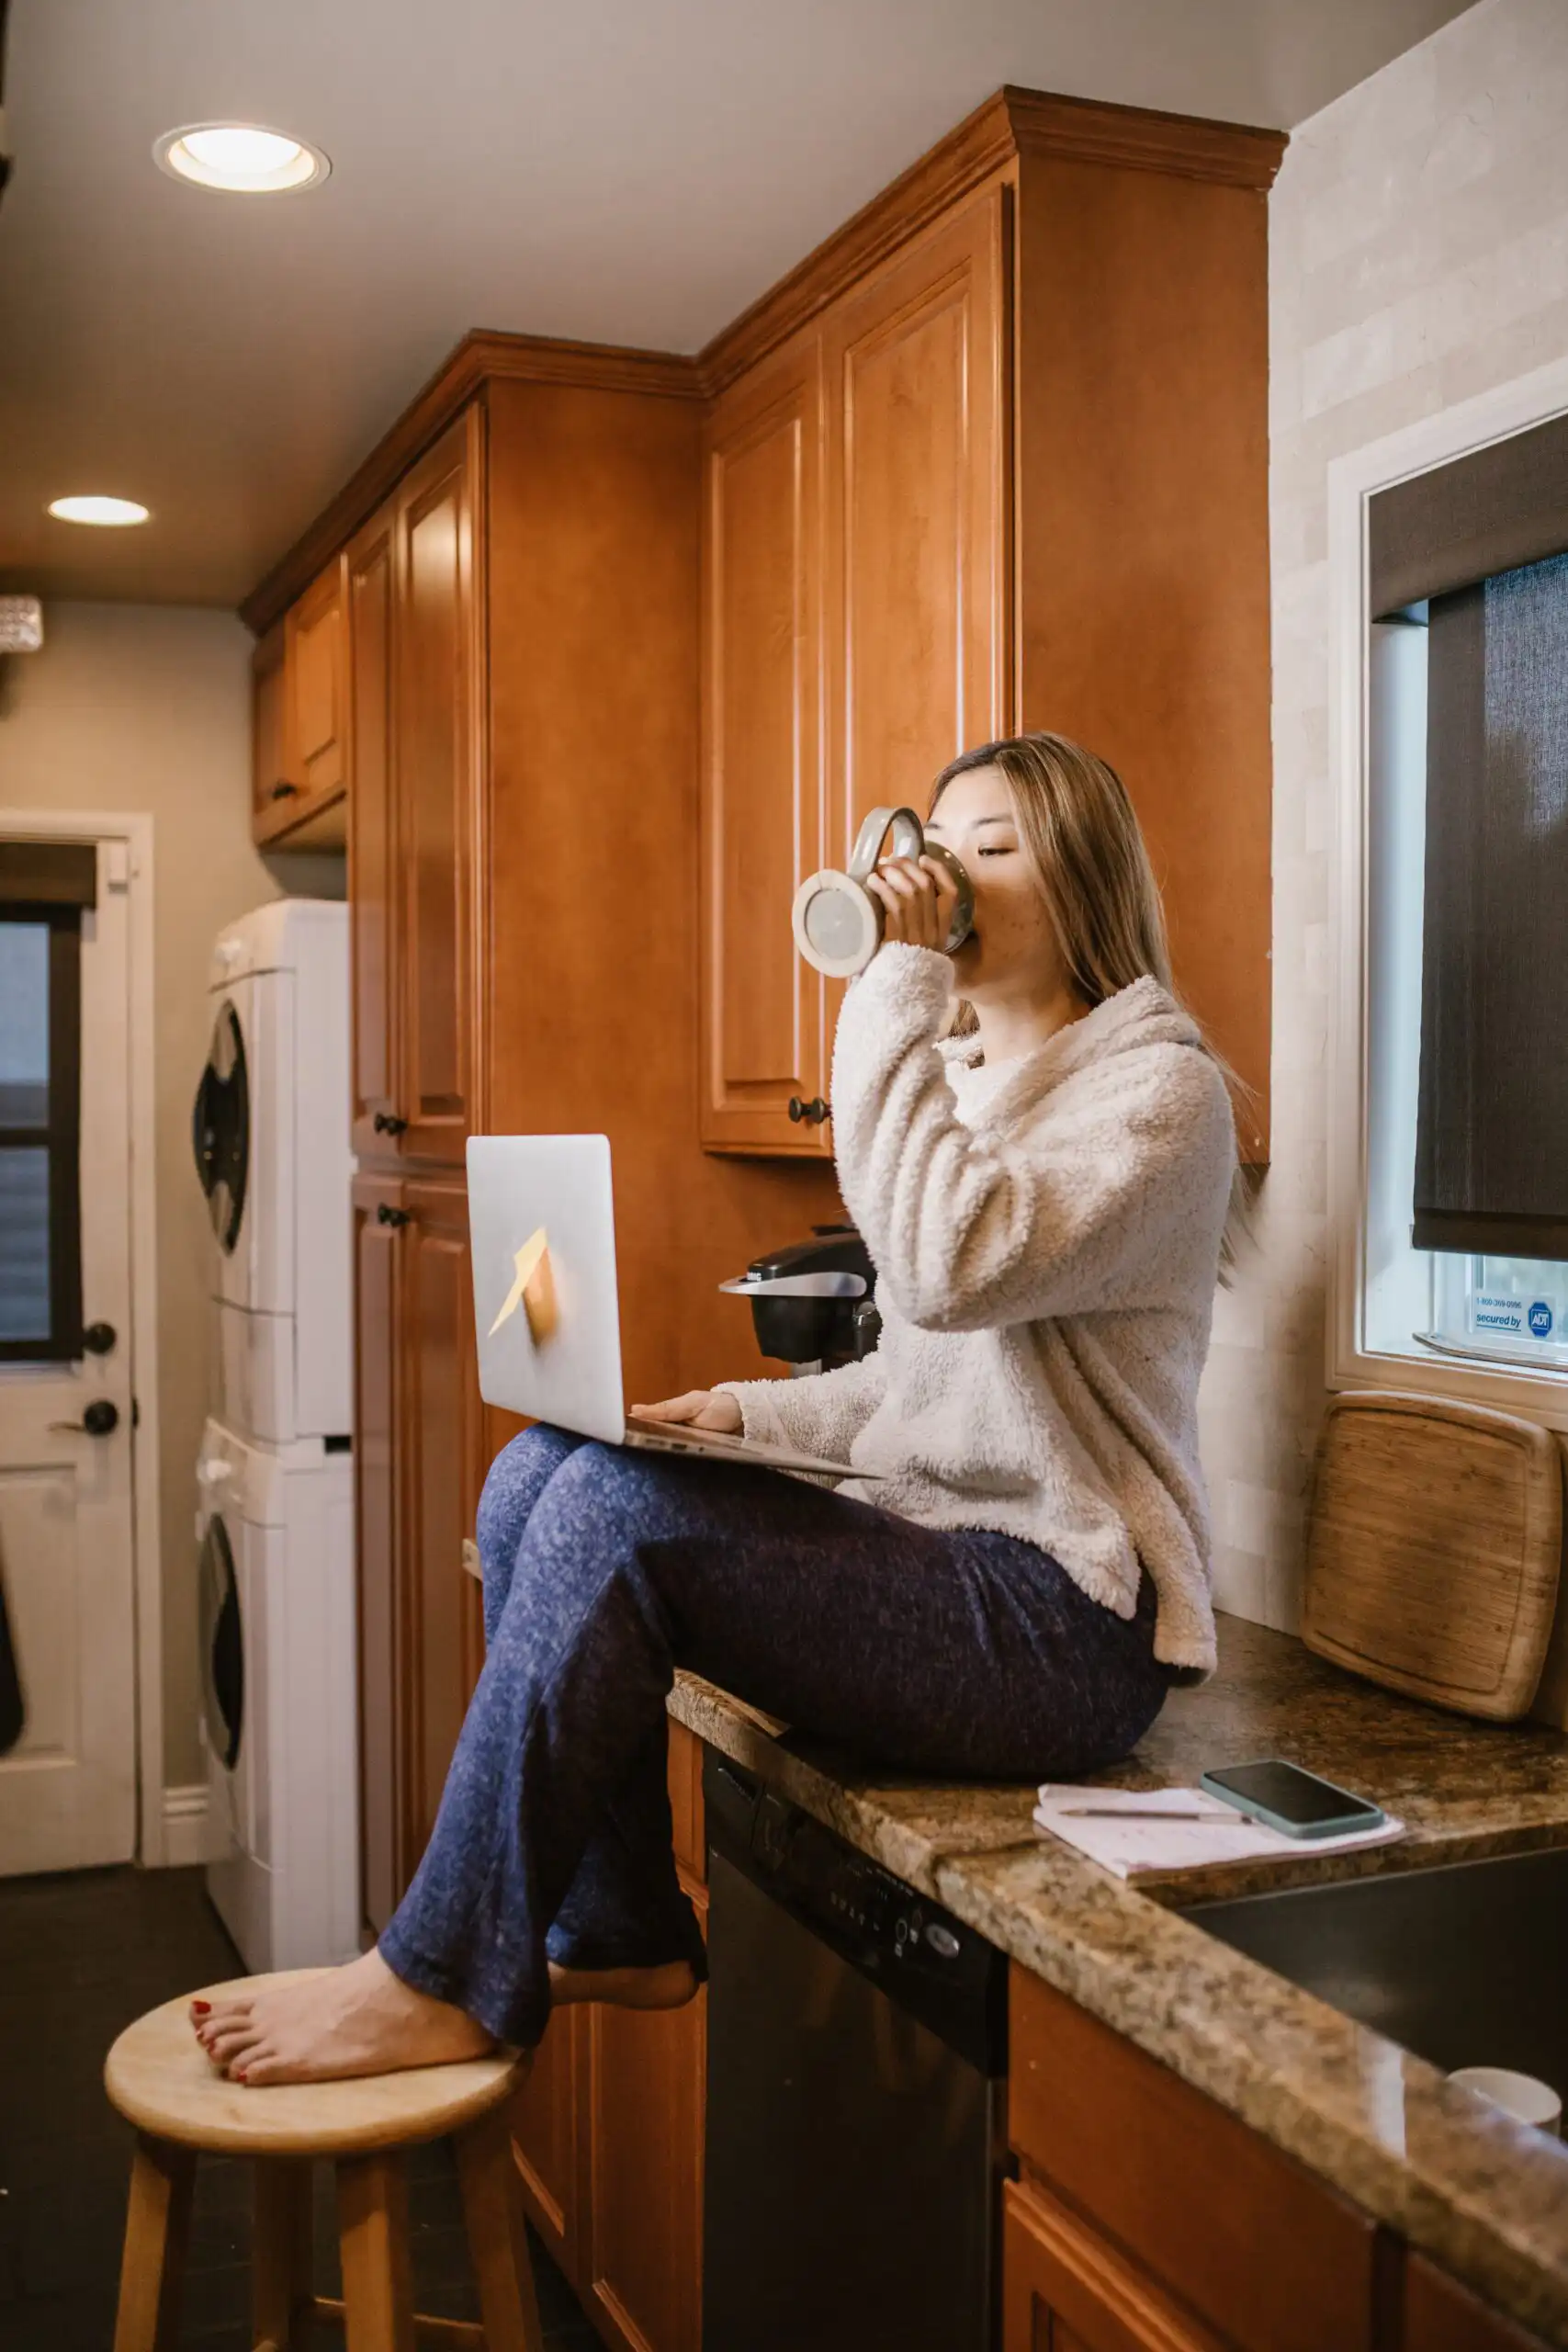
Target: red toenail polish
column 202, row 2008
column 237, row 2075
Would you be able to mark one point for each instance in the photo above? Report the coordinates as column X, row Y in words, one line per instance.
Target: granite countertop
column 1487, row 2198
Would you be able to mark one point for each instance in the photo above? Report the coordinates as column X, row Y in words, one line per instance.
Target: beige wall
column 1417, row 255
column 135, row 707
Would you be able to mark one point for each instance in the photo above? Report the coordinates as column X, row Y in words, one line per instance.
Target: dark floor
column 80, row 1957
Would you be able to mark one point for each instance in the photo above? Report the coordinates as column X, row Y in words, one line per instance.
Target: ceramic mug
column 838, row 921
column 1524, row 2096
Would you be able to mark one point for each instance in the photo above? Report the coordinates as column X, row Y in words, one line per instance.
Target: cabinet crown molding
column 1014, row 122
column 484, row 355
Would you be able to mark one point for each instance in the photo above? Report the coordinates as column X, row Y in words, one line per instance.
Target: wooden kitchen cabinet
column 647, row 2092
column 417, row 1463
column 382, row 1660
column 1067, row 2289
column 373, row 849
column 764, row 1042
column 299, row 680
column 918, row 604
column 438, row 688
column 1220, row 2223
column 1044, row 486
column 608, row 2134
column 1442, row 2316
column 271, row 782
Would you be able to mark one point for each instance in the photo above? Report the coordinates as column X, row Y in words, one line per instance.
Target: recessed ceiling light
column 112, row 513
column 242, row 157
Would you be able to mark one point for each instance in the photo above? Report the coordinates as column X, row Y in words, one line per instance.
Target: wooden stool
column 161, row 2080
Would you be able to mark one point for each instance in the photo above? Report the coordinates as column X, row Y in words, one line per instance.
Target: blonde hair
column 1081, row 834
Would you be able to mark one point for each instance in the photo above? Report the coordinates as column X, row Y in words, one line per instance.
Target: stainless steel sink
column 1466, row 1965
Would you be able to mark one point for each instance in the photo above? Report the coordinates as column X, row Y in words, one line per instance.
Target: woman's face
column 1012, row 949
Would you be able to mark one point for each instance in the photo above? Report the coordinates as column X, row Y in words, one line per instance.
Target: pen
column 1152, row 1812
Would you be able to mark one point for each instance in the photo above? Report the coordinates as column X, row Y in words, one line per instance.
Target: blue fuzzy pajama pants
column 950, row 1654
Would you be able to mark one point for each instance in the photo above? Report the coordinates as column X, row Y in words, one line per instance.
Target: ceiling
column 625, row 171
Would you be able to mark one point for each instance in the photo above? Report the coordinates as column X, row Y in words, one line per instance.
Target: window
column 1459, row 970
column 43, row 889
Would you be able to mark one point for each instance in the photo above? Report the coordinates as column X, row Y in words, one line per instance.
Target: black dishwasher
column 856, row 2120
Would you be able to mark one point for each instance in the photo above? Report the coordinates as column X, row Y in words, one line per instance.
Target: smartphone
column 1285, row 1798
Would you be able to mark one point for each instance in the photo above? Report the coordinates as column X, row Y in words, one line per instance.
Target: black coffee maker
column 814, row 1303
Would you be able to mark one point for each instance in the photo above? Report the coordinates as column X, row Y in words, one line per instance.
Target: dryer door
column 221, row 1127
column 223, row 1645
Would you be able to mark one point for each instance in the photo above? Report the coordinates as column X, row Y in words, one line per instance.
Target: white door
column 68, row 1772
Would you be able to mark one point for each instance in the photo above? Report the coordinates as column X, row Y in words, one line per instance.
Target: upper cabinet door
column 918, row 600
column 372, row 836
column 318, row 688
column 436, row 699
column 272, row 781
column 761, row 814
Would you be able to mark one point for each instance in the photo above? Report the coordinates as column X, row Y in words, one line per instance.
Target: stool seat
column 161, row 2079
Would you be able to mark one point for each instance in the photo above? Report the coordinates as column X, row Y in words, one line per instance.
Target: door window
column 41, row 1232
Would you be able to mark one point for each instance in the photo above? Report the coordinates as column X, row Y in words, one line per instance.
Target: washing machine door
column 221, row 1127
column 222, row 1644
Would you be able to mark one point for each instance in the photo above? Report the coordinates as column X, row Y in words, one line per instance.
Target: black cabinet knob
column 99, row 1338
column 388, row 1215
column 284, row 791
column 812, row 1112
column 387, row 1123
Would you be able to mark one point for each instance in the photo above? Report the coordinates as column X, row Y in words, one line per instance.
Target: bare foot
column 360, row 2020
column 669, row 1986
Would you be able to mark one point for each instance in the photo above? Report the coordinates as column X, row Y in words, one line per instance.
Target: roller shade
column 49, row 874
column 1497, row 509
column 1492, row 1121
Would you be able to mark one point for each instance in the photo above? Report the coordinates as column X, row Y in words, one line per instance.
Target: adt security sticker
column 1540, row 1319
column 1492, row 1311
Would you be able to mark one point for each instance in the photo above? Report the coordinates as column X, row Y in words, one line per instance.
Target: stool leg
column 498, row 2237
column 280, row 2250
column 157, row 2227
column 373, row 2229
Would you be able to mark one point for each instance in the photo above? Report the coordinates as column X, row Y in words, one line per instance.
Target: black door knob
column 97, row 1419
column 99, row 1338
column 813, row 1112
column 385, row 1215
column 387, row 1123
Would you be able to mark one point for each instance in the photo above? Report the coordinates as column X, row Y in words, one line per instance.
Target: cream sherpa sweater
column 1047, row 1237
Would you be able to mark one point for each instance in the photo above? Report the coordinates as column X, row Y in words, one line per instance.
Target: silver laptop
column 542, row 1228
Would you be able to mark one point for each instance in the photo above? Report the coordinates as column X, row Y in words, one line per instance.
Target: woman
column 1043, row 1191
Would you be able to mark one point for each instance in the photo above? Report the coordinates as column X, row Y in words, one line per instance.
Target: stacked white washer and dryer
column 274, row 1518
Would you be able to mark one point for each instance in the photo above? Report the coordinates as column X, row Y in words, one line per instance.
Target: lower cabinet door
column 547, row 2138
column 647, row 2097
column 1442, row 2316
column 440, row 1423
column 1066, row 2289
column 379, row 1217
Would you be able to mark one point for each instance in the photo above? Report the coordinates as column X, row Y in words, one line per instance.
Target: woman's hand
column 918, row 897
column 702, row 1408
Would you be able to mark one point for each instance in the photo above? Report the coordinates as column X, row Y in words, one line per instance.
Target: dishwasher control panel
column 933, row 1963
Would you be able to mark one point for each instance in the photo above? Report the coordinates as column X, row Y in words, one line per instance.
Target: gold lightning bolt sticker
column 533, row 1289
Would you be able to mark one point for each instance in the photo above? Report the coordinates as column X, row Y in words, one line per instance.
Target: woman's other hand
column 704, row 1408
column 918, row 897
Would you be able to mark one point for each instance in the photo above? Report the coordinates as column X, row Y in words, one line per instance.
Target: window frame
column 61, row 1136
column 1352, row 480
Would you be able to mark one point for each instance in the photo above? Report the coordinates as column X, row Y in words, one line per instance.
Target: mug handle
column 908, row 839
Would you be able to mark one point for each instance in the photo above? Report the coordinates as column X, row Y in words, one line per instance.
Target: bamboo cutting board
column 1435, row 1549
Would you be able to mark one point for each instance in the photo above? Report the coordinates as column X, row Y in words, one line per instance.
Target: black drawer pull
column 385, row 1216
column 812, row 1112
column 387, row 1123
